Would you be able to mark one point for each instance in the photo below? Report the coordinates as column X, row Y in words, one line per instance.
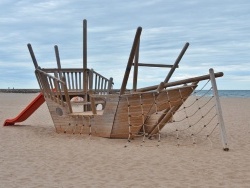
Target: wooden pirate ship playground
column 81, row 101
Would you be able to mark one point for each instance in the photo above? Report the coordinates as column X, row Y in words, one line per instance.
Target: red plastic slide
column 32, row 107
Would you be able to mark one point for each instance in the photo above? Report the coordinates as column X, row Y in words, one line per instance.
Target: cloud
column 220, row 40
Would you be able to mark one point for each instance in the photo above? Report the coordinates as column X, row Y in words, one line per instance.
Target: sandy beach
column 32, row 154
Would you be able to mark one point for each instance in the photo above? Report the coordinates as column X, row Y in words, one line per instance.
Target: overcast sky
column 218, row 32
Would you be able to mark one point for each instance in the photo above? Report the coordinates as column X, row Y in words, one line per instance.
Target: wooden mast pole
column 136, row 62
column 58, row 61
column 219, row 110
column 130, row 60
column 85, row 74
column 32, row 56
column 176, row 62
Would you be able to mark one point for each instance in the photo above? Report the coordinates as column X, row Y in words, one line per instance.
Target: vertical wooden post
column 85, row 51
column 110, row 84
column 32, row 55
column 66, row 95
column 91, row 79
column 176, row 62
column 85, row 74
column 130, row 60
column 136, row 61
column 92, row 103
column 219, row 111
column 58, row 61
column 160, row 87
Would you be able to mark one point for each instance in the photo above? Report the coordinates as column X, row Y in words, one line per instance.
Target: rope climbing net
column 196, row 121
column 186, row 120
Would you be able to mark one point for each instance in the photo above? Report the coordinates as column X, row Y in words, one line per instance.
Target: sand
column 32, row 154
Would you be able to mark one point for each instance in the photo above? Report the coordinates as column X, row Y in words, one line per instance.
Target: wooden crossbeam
column 155, row 65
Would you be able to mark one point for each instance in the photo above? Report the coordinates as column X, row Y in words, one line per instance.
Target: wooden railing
column 53, row 88
column 74, row 79
column 99, row 84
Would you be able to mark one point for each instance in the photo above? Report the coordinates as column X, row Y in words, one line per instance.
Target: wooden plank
column 219, row 111
column 58, row 61
column 154, row 65
column 86, row 113
column 72, row 80
column 33, row 56
column 173, row 105
column 68, row 79
column 122, row 121
column 160, row 87
column 65, row 123
column 136, row 63
column 176, row 63
column 172, row 97
column 105, row 86
column 105, row 122
column 91, row 79
column 180, row 82
column 110, row 85
column 130, row 60
column 64, row 87
column 131, row 109
column 75, row 80
column 156, row 128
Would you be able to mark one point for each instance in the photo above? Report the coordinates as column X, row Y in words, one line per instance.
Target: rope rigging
column 194, row 119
